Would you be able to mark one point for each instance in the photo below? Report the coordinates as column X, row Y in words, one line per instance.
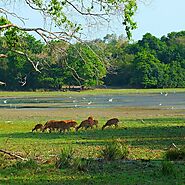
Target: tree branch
column 13, row 155
column 5, row 12
column 45, row 34
column 2, row 83
column 85, row 13
column 3, row 56
column 33, row 64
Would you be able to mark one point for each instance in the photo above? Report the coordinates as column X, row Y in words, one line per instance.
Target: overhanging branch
column 28, row 58
column 3, row 56
column 45, row 34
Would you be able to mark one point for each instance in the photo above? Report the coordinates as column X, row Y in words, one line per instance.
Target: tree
column 146, row 70
column 66, row 27
column 118, row 68
column 15, row 68
column 84, row 66
column 56, row 12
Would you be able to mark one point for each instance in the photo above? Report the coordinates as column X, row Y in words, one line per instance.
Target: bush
column 168, row 168
column 66, row 158
column 81, row 164
column 115, row 150
column 30, row 164
column 175, row 154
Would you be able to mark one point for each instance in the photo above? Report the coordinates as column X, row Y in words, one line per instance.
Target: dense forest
column 112, row 61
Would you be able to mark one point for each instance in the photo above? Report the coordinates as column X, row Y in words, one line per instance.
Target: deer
column 90, row 122
column 37, row 127
column 110, row 122
column 59, row 125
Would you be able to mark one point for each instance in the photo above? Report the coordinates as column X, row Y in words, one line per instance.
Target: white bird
column 161, row 92
column 110, row 100
column 83, row 98
column 5, row 101
column 89, row 102
column 166, row 94
column 74, row 101
column 160, row 104
column 76, row 105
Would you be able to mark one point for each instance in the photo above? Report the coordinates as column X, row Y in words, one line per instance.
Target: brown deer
column 37, row 127
column 113, row 121
column 90, row 122
column 84, row 124
column 95, row 122
column 51, row 125
column 90, row 119
column 59, row 125
column 67, row 124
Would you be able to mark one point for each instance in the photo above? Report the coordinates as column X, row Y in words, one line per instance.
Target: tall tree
column 146, row 70
column 66, row 26
column 84, row 66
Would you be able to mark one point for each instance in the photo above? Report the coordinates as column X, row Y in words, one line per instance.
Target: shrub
column 115, row 150
column 168, row 168
column 81, row 164
column 66, row 158
column 30, row 164
column 175, row 154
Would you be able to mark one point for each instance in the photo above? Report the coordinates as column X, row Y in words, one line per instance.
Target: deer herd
column 66, row 125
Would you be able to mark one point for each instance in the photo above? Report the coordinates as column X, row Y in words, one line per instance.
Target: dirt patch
column 73, row 113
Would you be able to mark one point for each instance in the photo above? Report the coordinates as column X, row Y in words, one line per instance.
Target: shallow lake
column 157, row 100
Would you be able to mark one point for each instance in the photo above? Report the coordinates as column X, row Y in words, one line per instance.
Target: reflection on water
column 160, row 100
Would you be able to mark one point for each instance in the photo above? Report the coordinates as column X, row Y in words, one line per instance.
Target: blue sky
column 158, row 17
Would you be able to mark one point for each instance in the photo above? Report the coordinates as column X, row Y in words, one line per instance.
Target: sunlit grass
column 87, row 92
column 153, row 135
column 147, row 137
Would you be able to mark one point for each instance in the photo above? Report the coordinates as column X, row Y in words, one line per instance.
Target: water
column 158, row 100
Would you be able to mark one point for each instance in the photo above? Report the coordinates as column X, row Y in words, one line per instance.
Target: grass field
column 148, row 133
column 87, row 92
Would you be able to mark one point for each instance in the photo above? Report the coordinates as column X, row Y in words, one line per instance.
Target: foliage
column 152, row 62
column 146, row 70
column 112, row 61
column 25, row 164
column 56, row 11
column 148, row 63
column 81, row 164
column 115, row 150
column 18, row 43
column 168, row 168
column 175, row 154
column 66, row 158
column 88, row 69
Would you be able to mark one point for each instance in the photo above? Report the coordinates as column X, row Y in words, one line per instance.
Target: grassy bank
column 88, row 92
column 148, row 134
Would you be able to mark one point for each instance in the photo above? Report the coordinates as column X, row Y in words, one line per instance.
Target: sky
column 158, row 17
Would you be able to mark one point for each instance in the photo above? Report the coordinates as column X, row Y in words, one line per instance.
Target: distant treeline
column 112, row 61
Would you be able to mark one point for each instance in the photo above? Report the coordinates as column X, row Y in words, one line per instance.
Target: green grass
column 147, row 141
column 147, row 133
column 87, row 92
